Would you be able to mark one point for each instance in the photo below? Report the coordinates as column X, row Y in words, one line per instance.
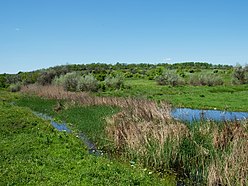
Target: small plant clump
column 46, row 77
column 169, row 78
column 15, row 87
column 114, row 82
column 240, row 75
column 205, row 80
column 88, row 83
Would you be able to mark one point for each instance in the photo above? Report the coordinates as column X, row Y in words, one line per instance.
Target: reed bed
column 142, row 107
column 206, row 153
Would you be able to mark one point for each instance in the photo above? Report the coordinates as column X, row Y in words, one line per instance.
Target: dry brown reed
column 141, row 107
column 231, row 168
column 129, row 129
column 147, row 138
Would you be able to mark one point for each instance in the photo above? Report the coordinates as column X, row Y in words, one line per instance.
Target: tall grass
column 145, row 108
column 205, row 153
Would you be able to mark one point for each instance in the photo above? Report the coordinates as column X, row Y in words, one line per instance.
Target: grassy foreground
column 34, row 153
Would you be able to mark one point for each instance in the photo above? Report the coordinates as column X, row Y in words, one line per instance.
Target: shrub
column 71, row 80
column 75, row 82
column 100, row 76
column 205, row 80
column 128, row 75
column 240, row 75
column 114, row 82
column 15, row 87
column 169, row 78
column 58, row 80
column 68, row 81
column 88, row 83
column 214, row 80
column 46, row 77
column 3, row 83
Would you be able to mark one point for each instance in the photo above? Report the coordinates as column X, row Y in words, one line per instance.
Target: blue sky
column 42, row 33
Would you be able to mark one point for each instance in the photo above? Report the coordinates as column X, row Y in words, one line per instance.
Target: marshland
column 125, row 110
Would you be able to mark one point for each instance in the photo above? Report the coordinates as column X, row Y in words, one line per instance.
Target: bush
column 88, row 83
column 205, row 80
column 100, row 76
column 71, row 80
column 240, row 75
column 3, row 81
column 15, row 87
column 114, row 82
column 128, row 75
column 46, row 77
column 169, row 78
column 68, row 81
column 75, row 82
column 58, row 80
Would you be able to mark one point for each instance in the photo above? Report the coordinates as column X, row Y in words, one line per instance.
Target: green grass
column 87, row 119
column 229, row 97
column 90, row 120
column 33, row 152
column 37, row 104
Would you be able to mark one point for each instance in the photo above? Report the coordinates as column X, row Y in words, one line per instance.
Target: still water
column 190, row 115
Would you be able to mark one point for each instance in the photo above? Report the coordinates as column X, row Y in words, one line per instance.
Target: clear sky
column 42, row 33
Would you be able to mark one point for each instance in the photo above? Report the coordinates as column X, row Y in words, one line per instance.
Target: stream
column 62, row 127
column 183, row 114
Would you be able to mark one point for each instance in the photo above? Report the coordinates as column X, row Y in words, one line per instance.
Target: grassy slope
column 227, row 97
column 32, row 152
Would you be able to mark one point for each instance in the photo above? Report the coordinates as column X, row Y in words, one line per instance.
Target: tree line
column 163, row 73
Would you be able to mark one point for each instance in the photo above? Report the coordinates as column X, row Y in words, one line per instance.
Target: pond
column 190, row 115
